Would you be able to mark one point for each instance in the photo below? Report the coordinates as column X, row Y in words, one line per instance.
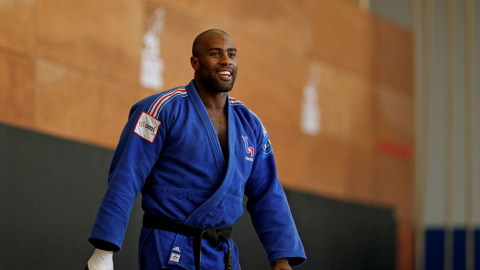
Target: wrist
column 104, row 254
column 281, row 262
column 101, row 260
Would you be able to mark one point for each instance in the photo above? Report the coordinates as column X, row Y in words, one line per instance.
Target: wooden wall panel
column 176, row 45
column 17, row 25
column 346, row 100
column 395, row 115
column 17, row 97
column 98, row 36
column 345, row 144
column 275, row 98
column 200, row 10
column 276, row 25
column 391, row 66
column 354, row 39
column 75, row 105
column 331, row 177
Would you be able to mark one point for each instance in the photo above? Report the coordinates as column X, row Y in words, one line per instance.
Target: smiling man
column 194, row 152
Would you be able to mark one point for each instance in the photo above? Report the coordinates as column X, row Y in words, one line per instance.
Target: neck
column 211, row 100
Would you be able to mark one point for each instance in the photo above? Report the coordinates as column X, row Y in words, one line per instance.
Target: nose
column 225, row 60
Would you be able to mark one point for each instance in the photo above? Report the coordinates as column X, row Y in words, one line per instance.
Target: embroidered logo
column 174, row 257
column 250, row 150
column 267, row 148
column 147, row 127
column 177, row 249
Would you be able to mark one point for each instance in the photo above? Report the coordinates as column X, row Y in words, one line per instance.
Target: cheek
column 207, row 66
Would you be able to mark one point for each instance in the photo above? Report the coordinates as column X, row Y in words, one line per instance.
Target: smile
column 225, row 72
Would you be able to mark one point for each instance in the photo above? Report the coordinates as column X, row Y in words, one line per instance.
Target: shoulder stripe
column 264, row 130
column 234, row 102
column 160, row 102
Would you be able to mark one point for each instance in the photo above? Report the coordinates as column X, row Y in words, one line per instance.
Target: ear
column 194, row 62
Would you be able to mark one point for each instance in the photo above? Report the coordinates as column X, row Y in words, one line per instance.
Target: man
column 194, row 152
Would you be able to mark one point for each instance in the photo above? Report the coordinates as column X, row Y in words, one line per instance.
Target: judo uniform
column 169, row 151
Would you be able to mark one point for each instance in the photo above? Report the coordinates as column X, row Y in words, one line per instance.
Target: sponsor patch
column 147, row 127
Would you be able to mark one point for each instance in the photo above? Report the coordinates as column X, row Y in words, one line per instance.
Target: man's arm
column 134, row 157
column 269, row 209
column 131, row 164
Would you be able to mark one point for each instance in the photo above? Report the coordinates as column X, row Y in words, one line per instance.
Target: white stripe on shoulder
column 163, row 99
column 264, row 130
column 235, row 102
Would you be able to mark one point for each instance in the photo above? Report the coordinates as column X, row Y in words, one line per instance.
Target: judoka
column 194, row 152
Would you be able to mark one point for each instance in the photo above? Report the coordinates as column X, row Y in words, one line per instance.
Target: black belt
column 213, row 235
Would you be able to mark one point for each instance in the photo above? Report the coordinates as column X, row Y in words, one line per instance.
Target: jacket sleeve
column 269, row 209
column 132, row 162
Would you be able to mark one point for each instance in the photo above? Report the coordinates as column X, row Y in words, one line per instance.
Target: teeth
column 224, row 73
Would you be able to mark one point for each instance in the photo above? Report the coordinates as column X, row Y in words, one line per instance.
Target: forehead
column 216, row 40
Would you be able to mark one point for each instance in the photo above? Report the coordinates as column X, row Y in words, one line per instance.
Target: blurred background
column 372, row 108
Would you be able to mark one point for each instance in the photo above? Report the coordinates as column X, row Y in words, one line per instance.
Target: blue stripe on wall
column 477, row 249
column 459, row 249
column 434, row 249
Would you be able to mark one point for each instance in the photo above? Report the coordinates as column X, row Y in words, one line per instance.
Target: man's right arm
column 132, row 162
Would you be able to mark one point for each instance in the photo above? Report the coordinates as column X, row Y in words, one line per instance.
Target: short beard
column 216, row 85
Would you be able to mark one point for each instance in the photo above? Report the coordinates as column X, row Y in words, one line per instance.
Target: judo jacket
column 169, row 151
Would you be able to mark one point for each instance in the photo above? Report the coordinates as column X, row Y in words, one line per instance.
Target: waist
column 213, row 235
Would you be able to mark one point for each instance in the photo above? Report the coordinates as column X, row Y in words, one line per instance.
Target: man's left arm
column 270, row 212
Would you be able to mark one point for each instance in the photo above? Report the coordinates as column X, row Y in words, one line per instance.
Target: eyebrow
column 220, row 49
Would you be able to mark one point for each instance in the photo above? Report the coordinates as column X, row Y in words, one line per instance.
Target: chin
column 226, row 89
column 218, row 86
column 223, row 87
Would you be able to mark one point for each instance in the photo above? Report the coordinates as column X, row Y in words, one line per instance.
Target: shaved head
column 214, row 59
column 202, row 35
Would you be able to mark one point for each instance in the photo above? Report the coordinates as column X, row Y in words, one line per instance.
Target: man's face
column 215, row 62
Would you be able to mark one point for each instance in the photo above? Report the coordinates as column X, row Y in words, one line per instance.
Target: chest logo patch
column 147, row 127
column 175, row 257
column 250, row 150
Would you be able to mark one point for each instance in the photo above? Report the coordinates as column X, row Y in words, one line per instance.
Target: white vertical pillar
column 449, row 132
column 469, row 133
column 476, row 124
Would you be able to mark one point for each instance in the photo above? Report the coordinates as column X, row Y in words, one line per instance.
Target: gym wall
column 72, row 69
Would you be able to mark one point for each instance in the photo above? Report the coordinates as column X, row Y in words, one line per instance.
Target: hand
column 100, row 260
column 281, row 264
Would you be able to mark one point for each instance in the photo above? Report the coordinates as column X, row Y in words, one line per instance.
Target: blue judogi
column 170, row 152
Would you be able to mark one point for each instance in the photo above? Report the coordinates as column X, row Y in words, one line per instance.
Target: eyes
column 218, row 54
